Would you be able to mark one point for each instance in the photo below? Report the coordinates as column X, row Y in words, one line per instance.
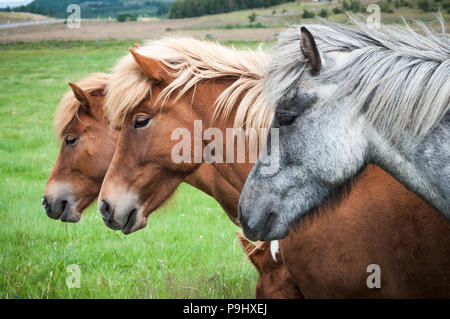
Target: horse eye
column 286, row 119
column 141, row 121
column 70, row 140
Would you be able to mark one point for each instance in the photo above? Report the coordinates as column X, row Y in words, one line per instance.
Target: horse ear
column 255, row 254
column 150, row 66
column 81, row 95
column 310, row 51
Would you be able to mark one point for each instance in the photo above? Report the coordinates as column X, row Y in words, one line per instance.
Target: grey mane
column 400, row 78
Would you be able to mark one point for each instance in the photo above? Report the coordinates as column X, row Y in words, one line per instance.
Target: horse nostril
column 241, row 218
column 45, row 203
column 105, row 209
column 63, row 205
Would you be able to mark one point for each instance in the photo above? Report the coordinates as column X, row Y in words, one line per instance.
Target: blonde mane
column 190, row 62
column 252, row 247
column 68, row 106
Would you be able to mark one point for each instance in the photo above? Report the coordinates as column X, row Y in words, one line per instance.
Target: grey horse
column 345, row 97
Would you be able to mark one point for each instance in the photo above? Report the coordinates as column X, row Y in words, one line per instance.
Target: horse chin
column 274, row 232
column 70, row 216
column 134, row 223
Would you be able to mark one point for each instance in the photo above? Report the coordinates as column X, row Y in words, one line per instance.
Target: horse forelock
column 398, row 77
column 190, row 62
column 68, row 106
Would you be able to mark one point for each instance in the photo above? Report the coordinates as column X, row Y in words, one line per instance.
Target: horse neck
column 234, row 173
column 207, row 179
column 421, row 167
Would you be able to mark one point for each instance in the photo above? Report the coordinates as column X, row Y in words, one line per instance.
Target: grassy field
column 188, row 248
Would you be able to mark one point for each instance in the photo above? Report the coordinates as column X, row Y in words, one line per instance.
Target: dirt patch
column 142, row 30
column 12, row 17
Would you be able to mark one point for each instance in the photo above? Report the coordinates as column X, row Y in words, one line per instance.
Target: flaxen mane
column 400, row 78
column 68, row 106
column 251, row 248
column 191, row 61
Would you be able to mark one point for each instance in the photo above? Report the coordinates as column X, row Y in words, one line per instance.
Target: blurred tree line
column 196, row 8
column 31, row 9
column 100, row 8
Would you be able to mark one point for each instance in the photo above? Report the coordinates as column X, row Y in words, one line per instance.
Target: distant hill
column 99, row 8
column 13, row 4
column 197, row 8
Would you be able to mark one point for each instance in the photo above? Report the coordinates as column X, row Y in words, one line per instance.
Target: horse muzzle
column 60, row 207
column 124, row 216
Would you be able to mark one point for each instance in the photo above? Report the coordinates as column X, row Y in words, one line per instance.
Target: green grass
column 188, row 248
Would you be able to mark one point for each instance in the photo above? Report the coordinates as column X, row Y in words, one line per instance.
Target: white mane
column 398, row 77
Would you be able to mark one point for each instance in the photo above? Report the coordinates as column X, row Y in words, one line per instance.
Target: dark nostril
column 105, row 209
column 45, row 203
column 240, row 217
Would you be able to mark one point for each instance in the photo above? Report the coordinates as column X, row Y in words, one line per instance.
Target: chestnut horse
column 80, row 168
column 170, row 84
column 87, row 149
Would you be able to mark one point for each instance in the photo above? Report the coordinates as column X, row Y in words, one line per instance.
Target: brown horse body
column 378, row 222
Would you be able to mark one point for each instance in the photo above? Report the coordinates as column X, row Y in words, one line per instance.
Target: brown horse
column 173, row 83
column 87, row 149
column 82, row 167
